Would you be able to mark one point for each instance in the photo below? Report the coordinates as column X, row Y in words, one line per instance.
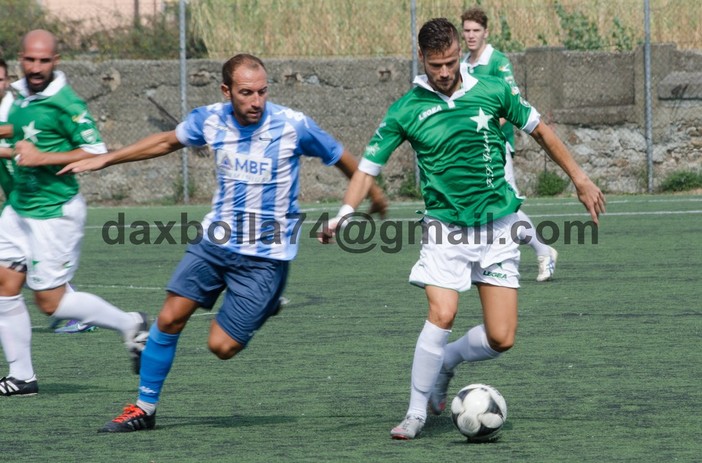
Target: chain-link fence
column 344, row 61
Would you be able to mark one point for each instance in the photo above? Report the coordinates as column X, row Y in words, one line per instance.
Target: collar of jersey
column 467, row 83
column 484, row 58
column 54, row 87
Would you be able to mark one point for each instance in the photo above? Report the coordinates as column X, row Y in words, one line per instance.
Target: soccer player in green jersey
column 6, row 182
column 482, row 59
column 451, row 119
column 41, row 226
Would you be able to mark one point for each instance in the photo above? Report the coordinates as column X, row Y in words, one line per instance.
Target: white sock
column 150, row 409
column 471, row 347
column 16, row 336
column 93, row 310
column 428, row 358
column 53, row 317
column 528, row 232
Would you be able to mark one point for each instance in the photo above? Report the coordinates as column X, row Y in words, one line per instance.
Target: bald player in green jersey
column 482, row 59
column 451, row 119
column 41, row 226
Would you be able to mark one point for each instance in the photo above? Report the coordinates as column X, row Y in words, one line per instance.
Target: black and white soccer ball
column 479, row 411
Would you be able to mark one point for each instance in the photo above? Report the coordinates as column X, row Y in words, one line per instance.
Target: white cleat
column 410, row 428
column 547, row 265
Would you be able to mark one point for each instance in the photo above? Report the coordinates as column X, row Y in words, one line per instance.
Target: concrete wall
column 594, row 99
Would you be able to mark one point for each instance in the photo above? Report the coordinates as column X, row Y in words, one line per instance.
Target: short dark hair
column 3, row 64
column 234, row 62
column 475, row 14
column 437, row 35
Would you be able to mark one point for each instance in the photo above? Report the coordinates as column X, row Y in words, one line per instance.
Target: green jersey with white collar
column 459, row 144
column 495, row 63
column 54, row 120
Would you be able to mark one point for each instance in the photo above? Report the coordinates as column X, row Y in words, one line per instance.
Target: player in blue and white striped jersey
column 249, row 236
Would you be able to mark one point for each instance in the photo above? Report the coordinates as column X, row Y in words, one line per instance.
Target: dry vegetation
column 277, row 28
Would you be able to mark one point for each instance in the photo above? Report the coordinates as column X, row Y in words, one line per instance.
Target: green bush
column 580, row 32
column 682, row 180
column 550, row 184
column 504, row 41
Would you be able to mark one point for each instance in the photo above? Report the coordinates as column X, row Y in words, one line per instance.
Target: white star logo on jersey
column 30, row 133
column 482, row 120
column 81, row 119
column 504, row 68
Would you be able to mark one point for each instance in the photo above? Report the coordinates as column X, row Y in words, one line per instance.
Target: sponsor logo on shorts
column 499, row 276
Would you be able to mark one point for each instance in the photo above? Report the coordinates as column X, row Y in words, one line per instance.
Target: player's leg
column 499, row 317
column 545, row 254
column 89, row 309
column 526, row 231
column 428, row 358
column 254, row 289
column 196, row 282
column 156, row 361
column 443, row 269
column 15, row 336
column 498, row 267
column 72, row 326
column 52, row 266
column 15, row 324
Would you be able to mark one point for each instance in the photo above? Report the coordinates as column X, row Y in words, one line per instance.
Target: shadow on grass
column 235, row 421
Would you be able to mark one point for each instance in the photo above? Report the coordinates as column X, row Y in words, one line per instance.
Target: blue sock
column 156, row 361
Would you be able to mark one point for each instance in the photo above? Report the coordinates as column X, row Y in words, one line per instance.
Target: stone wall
column 594, row 99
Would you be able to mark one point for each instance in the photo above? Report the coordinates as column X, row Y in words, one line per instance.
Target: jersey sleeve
column 519, row 112
column 190, row 132
column 504, row 70
column 385, row 140
column 316, row 142
column 80, row 128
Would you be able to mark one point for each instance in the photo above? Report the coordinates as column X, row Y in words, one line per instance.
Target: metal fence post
column 184, row 98
column 647, row 92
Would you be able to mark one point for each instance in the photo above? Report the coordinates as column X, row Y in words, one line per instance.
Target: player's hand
column 332, row 226
column 27, row 155
column 379, row 205
column 84, row 165
column 592, row 198
column 326, row 236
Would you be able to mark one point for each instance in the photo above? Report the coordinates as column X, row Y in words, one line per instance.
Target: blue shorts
column 253, row 286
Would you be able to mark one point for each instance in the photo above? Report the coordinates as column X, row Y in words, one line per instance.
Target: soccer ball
column 479, row 411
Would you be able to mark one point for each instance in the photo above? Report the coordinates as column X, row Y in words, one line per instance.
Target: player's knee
column 443, row 319
column 502, row 342
column 223, row 351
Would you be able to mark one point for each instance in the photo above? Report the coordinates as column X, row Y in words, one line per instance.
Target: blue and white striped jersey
column 255, row 208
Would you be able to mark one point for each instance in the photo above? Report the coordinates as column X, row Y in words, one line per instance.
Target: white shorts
column 49, row 249
column 457, row 257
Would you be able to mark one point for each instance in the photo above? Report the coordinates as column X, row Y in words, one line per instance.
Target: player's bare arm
column 6, row 131
column 27, row 155
column 153, row 146
column 5, row 153
column 379, row 203
column 359, row 186
column 588, row 193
